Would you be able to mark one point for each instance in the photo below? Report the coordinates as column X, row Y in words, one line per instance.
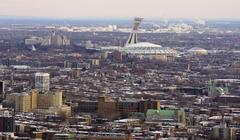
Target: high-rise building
column 67, row 64
column 23, row 102
column 47, row 100
column 2, row 90
column 7, row 123
column 223, row 132
column 95, row 62
column 42, row 81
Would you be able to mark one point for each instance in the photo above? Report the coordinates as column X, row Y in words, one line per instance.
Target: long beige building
column 27, row 102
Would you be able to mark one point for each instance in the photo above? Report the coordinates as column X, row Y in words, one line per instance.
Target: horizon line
column 109, row 18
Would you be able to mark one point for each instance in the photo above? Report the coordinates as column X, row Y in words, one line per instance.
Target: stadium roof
column 144, row 44
column 144, row 48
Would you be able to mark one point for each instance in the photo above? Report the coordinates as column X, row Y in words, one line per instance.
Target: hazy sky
column 122, row 8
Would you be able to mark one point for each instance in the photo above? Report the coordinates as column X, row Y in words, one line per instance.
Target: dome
column 144, row 44
column 146, row 48
column 197, row 50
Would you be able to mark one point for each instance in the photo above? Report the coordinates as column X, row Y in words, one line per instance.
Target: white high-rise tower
column 42, row 81
column 133, row 36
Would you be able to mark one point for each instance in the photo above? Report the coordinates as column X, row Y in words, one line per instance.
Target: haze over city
column 213, row 9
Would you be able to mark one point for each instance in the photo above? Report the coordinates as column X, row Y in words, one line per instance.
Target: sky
column 206, row 9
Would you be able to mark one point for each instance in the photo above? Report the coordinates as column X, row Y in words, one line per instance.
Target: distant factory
column 55, row 40
column 52, row 39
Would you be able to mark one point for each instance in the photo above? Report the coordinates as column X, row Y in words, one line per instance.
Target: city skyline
column 214, row 9
column 82, row 70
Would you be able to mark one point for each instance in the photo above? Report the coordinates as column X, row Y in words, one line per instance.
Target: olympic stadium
column 142, row 49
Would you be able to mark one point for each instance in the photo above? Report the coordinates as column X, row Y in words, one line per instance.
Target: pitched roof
column 167, row 113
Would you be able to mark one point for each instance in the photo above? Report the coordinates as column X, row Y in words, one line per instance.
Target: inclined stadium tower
column 145, row 49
